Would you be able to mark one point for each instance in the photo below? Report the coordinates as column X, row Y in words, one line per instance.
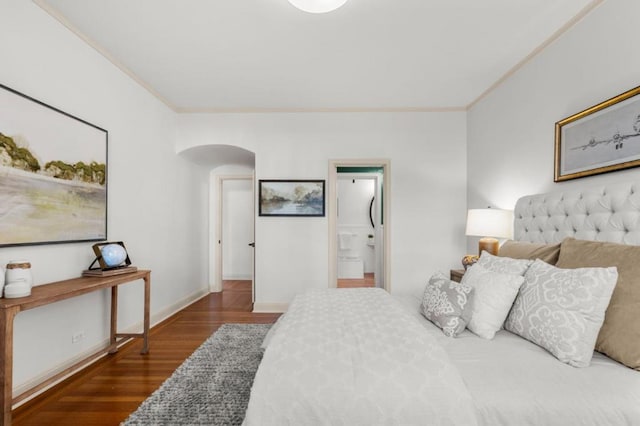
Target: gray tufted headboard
column 602, row 213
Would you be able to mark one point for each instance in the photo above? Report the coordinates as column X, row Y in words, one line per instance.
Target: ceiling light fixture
column 317, row 6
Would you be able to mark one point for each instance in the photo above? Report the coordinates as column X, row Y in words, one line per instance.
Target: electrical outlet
column 77, row 337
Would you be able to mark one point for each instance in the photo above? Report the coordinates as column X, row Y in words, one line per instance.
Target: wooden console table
column 49, row 293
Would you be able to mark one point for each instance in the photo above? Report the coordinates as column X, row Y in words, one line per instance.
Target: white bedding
column 360, row 357
column 514, row 382
column 355, row 357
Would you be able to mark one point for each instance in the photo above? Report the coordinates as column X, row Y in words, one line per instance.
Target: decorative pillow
column 524, row 250
column 447, row 304
column 562, row 310
column 619, row 336
column 504, row 265
column 493, row 296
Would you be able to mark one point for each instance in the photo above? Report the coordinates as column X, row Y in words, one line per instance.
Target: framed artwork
column 291, row 198
column 53, row 174
column 600, row 139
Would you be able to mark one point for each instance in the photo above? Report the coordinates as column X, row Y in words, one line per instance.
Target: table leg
column 113, row 343
column 6, row 364
column 147, row 300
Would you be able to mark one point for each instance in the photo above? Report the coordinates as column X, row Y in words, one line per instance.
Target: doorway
column 357, row 219
column 235, row 233
column 358, row 208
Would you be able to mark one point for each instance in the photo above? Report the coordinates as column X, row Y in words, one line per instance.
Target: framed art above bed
column 600, row 139
column 53, row 174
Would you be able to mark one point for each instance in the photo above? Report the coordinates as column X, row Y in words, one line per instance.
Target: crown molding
column 250, row 110
column 556, row 35
column 101, row 50
column 256, row 110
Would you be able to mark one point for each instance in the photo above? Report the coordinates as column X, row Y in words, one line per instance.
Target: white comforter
column 355, row 357
column 514, row 382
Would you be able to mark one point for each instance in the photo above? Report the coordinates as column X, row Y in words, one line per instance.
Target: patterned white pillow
column 447, row 304
column 562, row 310
column 504, row 265
column 493, row 296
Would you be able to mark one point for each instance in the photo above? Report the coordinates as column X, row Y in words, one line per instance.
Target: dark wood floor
column 108, row 391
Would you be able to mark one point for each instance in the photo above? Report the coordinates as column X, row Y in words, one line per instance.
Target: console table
column 49, row 293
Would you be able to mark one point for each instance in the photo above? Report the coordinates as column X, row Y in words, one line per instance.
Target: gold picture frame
column 600, row 139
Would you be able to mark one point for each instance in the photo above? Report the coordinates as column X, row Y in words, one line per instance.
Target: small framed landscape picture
column 291, row 198
column 600, row 139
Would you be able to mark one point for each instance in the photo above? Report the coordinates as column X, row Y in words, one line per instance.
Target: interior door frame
column 332, row 211
column 216, row 285
column 375, row 177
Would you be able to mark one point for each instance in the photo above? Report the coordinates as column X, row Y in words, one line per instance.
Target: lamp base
column 488, row 244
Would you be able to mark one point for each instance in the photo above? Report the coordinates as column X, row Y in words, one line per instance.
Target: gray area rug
column 212, row 386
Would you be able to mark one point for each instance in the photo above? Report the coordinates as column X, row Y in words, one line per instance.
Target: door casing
column 216, row 242
column 332, row 211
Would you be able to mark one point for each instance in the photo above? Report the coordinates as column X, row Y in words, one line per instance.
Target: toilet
column 350, row 264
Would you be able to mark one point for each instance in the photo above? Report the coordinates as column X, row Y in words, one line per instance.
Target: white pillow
column 504, row 265
column 562, row 310
column 494, row 293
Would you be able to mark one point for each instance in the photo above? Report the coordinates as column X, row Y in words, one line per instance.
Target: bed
column 363, row 357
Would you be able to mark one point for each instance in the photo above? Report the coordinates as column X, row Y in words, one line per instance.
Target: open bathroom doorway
column 358, row 209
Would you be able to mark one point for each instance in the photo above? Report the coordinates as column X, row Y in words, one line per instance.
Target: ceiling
column 266, row 55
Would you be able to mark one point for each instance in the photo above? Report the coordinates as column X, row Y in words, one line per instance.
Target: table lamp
column 490, row 224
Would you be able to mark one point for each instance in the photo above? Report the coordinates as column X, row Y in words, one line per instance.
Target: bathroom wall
column 354, row 198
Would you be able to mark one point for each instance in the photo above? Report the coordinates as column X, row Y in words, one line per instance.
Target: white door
column 237, row 229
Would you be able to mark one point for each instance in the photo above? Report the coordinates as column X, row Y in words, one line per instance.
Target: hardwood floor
column 105, row 393
column 367, row 281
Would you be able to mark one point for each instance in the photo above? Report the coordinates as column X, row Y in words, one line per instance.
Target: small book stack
column 108, row 272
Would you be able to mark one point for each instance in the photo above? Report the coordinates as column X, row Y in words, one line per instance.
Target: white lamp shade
column 317, row 6
column 495, row 223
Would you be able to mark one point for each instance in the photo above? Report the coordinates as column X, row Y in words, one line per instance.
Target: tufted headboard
column 602, row 213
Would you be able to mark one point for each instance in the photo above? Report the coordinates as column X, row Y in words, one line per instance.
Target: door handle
column 252, row 244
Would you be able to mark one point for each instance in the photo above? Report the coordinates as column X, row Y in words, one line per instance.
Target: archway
column 227, row 163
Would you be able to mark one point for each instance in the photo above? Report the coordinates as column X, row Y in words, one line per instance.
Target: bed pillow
column 562, row 310
column 619, row 336
column 447, row 304
column 504, row 265
column 493, row 296
column 524, row 250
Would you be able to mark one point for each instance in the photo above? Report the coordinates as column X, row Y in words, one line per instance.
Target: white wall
column 428, row 188
column 511, row 132
column 354, row 198
column 157, row 200
column 237, row 229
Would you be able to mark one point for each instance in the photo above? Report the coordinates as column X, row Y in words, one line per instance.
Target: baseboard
column 165, row 313
column 243, row 277
column 30, row 384
column 155, row 319
column 259, row 307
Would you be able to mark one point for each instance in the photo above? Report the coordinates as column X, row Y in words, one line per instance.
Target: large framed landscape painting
column 291, row 198
column 600, row 139
column 53, row 174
